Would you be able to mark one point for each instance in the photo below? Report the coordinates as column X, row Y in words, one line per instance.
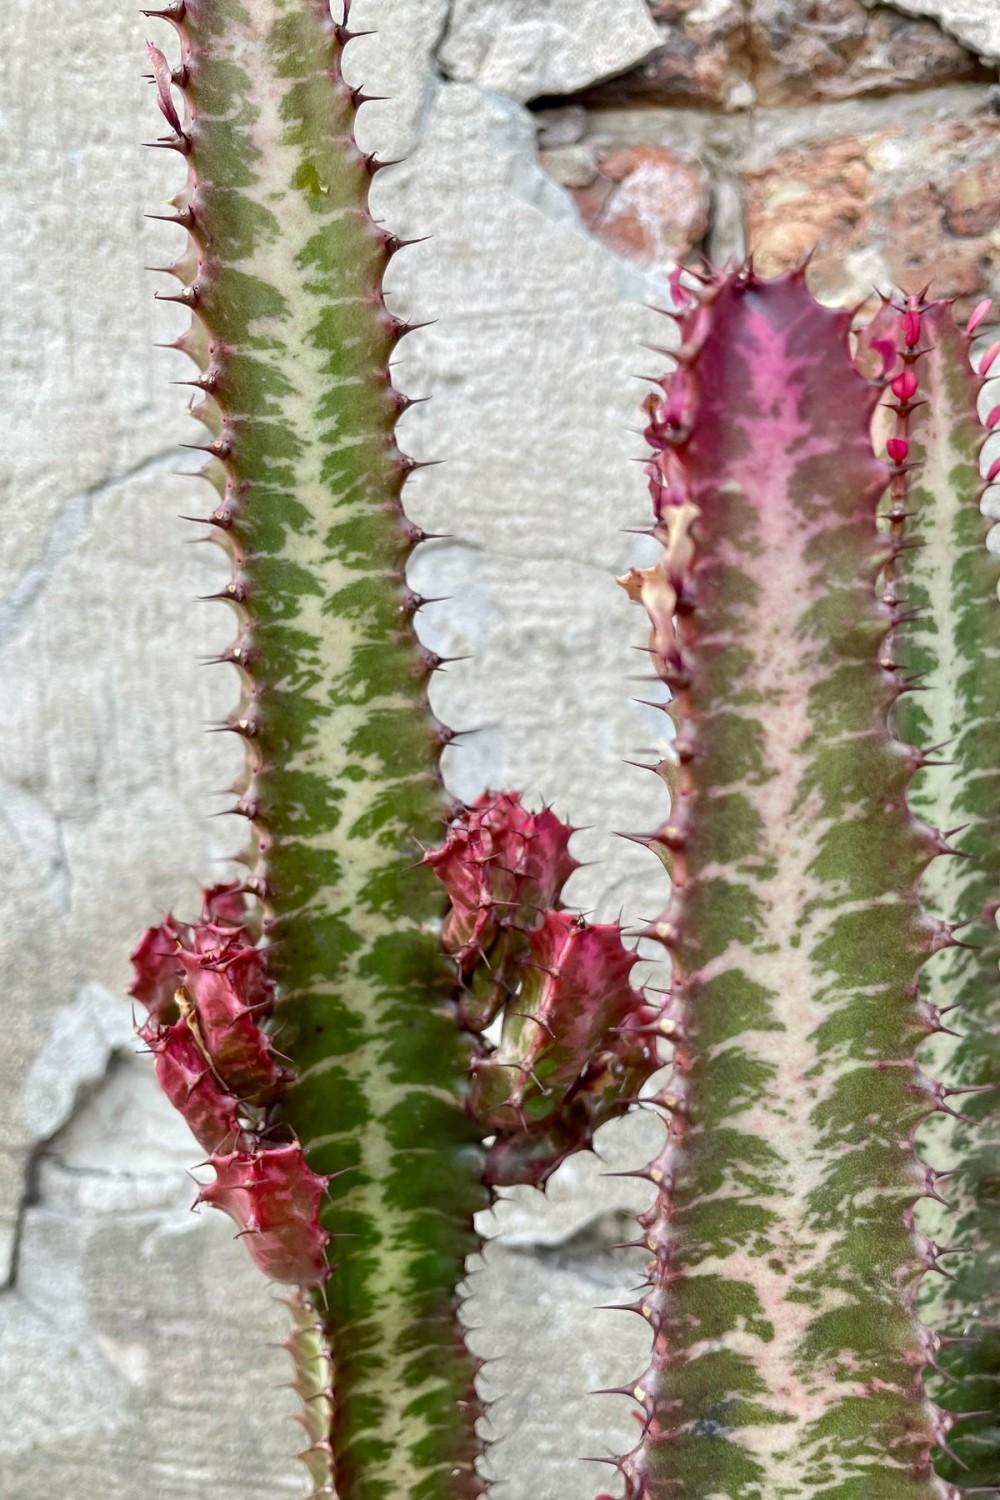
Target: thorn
column 185, row 218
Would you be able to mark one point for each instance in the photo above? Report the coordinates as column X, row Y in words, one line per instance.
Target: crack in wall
column 441, row 41
column 68, row 526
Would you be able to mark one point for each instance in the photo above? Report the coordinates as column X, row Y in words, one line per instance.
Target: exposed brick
column 894, row 207
column 835, row 49
column 730, row 53
column 703, row 59
column 972, row 197
column 649, row 204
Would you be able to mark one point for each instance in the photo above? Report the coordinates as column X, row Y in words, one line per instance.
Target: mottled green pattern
column 951, row 581
column 787, row 1356
column 343, row 751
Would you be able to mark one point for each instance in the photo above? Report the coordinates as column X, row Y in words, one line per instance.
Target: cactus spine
column 788, row 1358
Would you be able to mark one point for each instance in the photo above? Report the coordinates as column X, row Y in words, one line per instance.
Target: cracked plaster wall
column 135, row 1354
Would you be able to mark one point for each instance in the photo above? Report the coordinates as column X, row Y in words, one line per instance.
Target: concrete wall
column 134, row 1337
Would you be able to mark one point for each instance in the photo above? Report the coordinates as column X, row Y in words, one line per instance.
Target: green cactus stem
column 327, row 1045
column 788, row 1358
column 948, row 582
column 292, row 338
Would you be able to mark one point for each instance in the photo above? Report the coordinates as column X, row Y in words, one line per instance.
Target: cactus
column 392, row 1015
column 321, row 1026
column 788, row 1357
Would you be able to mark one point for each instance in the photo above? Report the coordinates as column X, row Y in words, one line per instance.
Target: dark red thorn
column 394, row 244
column 411, row 465
column 179, row 143
column 206, row 383
column 372, row 164
column 344, row 36
column 186, row 297
column 403, row 403
column 233, row 593
column 185, row 218
column 218, row 448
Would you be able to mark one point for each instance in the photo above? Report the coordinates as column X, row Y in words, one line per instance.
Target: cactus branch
column 787, row 1355
column 365, row 1158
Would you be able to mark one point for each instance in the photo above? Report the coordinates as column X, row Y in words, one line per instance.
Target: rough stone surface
column 134, row 1337
column 648, row 204
column 530, row 48
column 739, row 54
column 974, row 22
column 888, row 209
column 833, row 49
column 700, row 58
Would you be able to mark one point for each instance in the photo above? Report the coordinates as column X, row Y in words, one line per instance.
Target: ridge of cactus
column 345, row 1152
column 948, row 584
column 788, row 1358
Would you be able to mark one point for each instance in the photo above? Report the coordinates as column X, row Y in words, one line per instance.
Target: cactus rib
column 953, row 646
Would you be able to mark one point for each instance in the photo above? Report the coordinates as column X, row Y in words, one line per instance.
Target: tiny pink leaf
column 989, row 358
column 163, row 80
column 978, row 314
column 905, row 385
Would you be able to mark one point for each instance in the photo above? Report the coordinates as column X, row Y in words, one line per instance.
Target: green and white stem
column 326, row 1046
column 283, row 274
column 948, row 581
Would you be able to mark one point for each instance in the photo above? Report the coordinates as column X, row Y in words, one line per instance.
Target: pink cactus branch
column 787, row 1354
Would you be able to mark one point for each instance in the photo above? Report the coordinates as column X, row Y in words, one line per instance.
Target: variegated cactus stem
column 319, row 1029
column 788, row 1356
column 947, row 581
column 324, row 1069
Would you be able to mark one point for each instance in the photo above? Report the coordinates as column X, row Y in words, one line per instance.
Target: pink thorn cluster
column 577, row 1041
column 574, row 1001
column 500, row 865
column 211, row 974
column 275, row 1198
column 207, row 991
